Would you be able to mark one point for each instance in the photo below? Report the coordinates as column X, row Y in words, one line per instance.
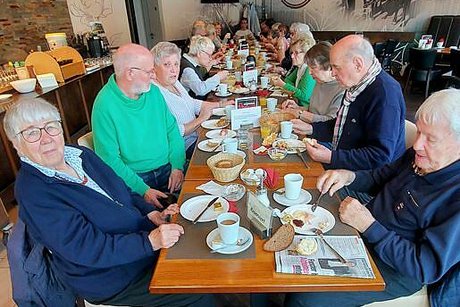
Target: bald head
column 351, row 57
column 130, row 55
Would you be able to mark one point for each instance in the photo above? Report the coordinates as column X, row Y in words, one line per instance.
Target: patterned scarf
column 350, row 95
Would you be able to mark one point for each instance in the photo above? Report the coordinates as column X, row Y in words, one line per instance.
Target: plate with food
column 237, row 89
column 210, row 145
column 215, row 123
column 304, row 220
column 290, row 145
column 220, row 134
column 219, row 111
column 192, row 207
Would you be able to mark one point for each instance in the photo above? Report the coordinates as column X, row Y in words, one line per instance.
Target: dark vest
column 199, row 70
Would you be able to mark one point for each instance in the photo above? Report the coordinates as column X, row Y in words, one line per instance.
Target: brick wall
column 23, row 24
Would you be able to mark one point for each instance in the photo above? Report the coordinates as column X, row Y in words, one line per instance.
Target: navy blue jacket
column 373, row 133
column 99, row 246
column 417, row 228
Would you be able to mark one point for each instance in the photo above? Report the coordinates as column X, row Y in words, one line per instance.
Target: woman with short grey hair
column 84, row 214
column 189, row 112
column 195, row 65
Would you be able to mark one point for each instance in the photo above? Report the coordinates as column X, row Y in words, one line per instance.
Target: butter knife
column 206, row 208
column 303, row 159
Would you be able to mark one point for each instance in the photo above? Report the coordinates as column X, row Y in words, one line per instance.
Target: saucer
column 5, row 96
column 232, row 249
column 292, row 137
column 224, row 95
column 304, row 198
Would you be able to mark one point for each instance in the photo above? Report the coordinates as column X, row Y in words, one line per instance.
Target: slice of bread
column 281, row 239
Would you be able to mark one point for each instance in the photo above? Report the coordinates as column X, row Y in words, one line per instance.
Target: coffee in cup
column 229, row 227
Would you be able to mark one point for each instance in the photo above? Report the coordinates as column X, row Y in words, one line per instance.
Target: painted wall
column 112, row 14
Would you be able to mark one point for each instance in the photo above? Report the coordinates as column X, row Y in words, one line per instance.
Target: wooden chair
column 86, row 140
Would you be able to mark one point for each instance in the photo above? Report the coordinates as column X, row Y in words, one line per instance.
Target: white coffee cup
column 229, row 64
column 286, row 129
column 228, row 111
column 293, row 186
column 222, row 89
column 238, row 76
column 230, row 145
column 271, row 104
column 229, row 227
column 264, row 81
column 439, row 44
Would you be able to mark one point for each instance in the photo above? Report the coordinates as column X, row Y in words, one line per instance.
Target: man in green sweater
column 133, row 130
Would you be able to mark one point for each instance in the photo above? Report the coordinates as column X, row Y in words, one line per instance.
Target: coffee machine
column 98, row 45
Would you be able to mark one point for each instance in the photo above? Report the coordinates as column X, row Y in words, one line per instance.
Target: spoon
column 239, row 242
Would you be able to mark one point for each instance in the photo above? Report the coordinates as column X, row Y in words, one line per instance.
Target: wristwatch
column 300, row 113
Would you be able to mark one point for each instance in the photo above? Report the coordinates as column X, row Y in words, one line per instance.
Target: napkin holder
column 260, row 216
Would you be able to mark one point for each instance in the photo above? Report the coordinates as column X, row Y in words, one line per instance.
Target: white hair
column 162, row 50
column 200, row 43
column 442, row 106
column 300, row 30
column 27, row 112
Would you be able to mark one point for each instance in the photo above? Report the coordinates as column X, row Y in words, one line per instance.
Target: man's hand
column 319, row 153
column 333, row 180
column 175, row 180
column 161, row 217
column 301, row 127
column 165, row 236
column 353, row 213
column 152, row 195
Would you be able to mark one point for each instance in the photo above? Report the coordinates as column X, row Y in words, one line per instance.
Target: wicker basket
column 274, row 119
column 226, row 174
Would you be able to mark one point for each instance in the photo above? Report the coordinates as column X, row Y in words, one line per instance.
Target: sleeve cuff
column 375, row 233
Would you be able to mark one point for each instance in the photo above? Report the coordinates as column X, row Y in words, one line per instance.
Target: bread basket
column 226, row 174
column 274, row 119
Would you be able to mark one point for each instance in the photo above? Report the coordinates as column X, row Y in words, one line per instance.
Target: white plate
column 292, row 137
column 5, row 96
column 193, row 206
column 232, row 249
column 219, row 111
column 211, row 124
column 239, row 90
column 304, row 198
column 322, row 219
column 203, row 145
column 224, row 95
column 215, row 134
column 293, row 144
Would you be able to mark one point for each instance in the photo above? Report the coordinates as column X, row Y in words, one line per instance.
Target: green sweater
column 135, row 136
column 305, row 87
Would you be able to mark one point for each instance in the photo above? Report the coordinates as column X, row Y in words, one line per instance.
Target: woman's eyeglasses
column 33, row 134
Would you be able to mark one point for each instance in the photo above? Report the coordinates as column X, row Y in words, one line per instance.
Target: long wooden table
column 247, row 275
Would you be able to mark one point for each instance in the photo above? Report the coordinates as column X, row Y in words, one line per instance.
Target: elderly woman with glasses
column 327, row 94
column 189, row 112
column 299, row 80
column 195, row 65
column 103, row 241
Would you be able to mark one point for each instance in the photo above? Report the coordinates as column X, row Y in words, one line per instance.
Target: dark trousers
column 137, row 294
column 158, row 178
column 397, row 285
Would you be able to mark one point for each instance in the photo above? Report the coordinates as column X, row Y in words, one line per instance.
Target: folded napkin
column 272, row 178
column 212, row 188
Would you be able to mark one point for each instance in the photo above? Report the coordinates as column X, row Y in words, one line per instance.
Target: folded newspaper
column 323, row 261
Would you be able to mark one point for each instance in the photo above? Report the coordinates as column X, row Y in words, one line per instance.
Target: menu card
column 246, row 116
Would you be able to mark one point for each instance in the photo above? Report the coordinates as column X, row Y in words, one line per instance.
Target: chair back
column 86, row 140
column 455, row 62
column 379, row 50
column 422, row 59
column 390, row 47
column 411, row 133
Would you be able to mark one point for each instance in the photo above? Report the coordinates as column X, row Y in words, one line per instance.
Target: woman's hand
column 223, row 74
column 165, row 236
column 175, row 180
column 161, row 217
column 289, row 104
column 277, row 81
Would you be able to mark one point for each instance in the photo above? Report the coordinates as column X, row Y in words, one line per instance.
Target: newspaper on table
column 324, row 261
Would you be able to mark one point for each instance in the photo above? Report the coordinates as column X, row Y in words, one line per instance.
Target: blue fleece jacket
column 373, row 133
column 98, row 245
column 417, row 228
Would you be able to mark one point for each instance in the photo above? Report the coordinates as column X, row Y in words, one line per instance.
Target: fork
column 319, row 233
column 303, row 159
column 315, row 204
column 240, row 242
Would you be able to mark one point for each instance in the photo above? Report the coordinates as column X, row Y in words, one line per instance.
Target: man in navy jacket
column 369, row 129
column 412, row 224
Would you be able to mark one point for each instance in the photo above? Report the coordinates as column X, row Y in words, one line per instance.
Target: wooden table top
column 244, row 275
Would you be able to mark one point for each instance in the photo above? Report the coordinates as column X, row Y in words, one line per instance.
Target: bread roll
column 224, row 164
column 281, row 239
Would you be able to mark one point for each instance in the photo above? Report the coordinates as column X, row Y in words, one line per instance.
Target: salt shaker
column 261, row 193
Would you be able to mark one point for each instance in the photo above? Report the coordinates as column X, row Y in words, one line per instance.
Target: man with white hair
column 134, row 132
column 369, row 129
column 411, row 226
